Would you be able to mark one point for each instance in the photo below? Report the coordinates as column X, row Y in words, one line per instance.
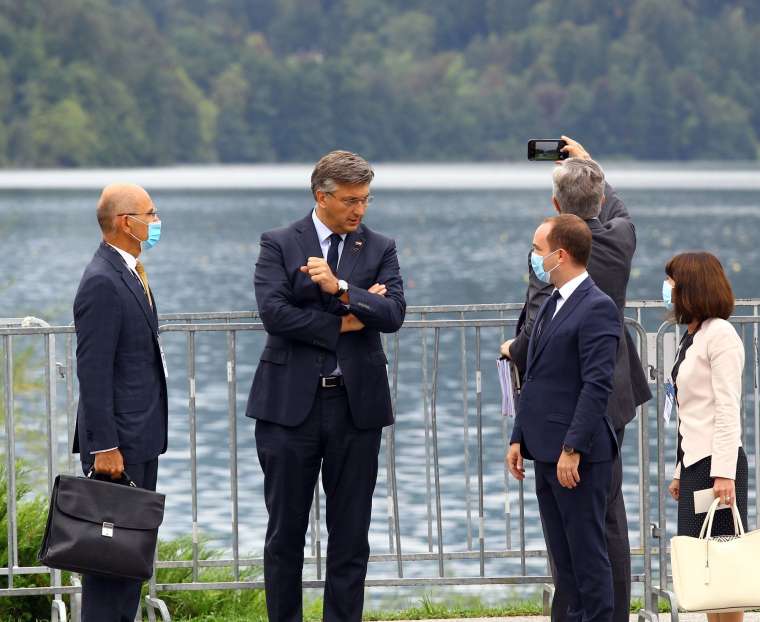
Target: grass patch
column 458, row 607
column 207, row 604
column 211, row 605
column 32, row 516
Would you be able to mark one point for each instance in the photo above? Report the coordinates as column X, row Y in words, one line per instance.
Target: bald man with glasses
column 123, row 414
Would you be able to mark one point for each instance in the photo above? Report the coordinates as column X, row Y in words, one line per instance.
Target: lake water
column 464, row 244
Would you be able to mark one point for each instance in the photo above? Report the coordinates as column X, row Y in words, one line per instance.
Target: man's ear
column 556, row 205
column 119, row 223
column 320, row 198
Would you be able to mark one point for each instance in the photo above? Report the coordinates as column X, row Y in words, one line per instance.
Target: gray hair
column 579, row 187
column 340, row 167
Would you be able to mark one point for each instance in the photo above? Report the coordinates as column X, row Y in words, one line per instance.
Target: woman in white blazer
column 707, row 380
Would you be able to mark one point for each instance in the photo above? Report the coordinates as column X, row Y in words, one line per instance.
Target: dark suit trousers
column 574, row 524
column 618, row 546
column 291, row 458
column 105, row 599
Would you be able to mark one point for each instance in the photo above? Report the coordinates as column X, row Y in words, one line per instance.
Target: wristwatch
column 342, row 288
column 568, row 450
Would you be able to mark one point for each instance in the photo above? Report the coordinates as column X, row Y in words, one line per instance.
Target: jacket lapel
column 309, row 243
column 307, row 238
column 352, row 248
column 533, row 338
column 564, row 312
column 132, row 283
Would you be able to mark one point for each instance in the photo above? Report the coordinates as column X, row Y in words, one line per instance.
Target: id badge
column 163, row 359
column 670, row 399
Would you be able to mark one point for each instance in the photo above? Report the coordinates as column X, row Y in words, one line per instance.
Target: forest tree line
column 141, row 82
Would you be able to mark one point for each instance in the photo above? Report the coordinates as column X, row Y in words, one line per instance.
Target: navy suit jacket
column 303, row 325
column 122, row 386
column 568, row 380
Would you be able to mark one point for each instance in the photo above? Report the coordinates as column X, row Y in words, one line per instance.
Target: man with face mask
column 562, row 421
column 122, row 414
column 580, row 189
column 326, row 287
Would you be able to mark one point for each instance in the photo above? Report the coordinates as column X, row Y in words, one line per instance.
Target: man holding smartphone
column 580, row 189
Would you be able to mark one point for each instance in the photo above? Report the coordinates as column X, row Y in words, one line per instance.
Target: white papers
column 508, row 381
column 703, row 499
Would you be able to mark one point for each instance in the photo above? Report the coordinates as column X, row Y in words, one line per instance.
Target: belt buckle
column 329, row 382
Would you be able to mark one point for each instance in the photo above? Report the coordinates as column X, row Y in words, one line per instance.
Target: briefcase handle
column 125, row 479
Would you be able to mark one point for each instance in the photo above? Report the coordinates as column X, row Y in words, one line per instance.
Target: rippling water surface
column 455, row 247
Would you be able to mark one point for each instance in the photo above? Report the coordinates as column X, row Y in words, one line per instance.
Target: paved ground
column 664, row 617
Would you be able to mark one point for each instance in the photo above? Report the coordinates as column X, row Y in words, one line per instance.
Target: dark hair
column 702, row 290
column 571, row 234
column 340, row 167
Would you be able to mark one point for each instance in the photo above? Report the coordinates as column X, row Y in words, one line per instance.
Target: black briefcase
column 104, row 528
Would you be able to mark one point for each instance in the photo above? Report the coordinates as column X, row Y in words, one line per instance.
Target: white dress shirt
column 567, row 290
column 323, row 234
column 128, row 258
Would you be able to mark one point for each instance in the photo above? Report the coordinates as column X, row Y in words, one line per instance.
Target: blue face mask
column 537, row 263
column 154, row 233
column 667, row 294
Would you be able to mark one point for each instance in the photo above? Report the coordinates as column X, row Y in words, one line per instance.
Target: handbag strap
column 706, row 531
column 738, row 524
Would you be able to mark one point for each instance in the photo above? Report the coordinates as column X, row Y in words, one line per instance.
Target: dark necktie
column 551, row 307
column 331, row 361
column 332, row 254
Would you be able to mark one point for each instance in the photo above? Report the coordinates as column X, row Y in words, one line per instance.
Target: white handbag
column 717, row 574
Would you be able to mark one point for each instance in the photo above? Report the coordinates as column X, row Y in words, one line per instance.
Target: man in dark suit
column 122, row 414
column 326, row 287
column 561, row 419
column 580, row 189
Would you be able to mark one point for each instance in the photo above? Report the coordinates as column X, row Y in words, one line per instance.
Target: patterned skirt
column 697, row 477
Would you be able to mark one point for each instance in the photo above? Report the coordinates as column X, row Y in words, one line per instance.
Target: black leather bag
column 104, row 528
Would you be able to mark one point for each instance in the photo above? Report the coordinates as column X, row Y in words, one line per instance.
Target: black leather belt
column 331, row 382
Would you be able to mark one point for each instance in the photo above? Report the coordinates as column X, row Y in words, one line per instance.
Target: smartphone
column 546, row 149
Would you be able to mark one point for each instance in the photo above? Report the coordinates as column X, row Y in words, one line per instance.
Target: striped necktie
column 144, row 280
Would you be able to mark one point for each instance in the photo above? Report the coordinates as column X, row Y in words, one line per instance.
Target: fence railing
column 446, row 512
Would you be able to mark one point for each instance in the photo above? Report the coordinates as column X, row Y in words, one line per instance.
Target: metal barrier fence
column 445, row 505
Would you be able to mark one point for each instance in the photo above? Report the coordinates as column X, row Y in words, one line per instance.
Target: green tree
column 62, row 134
column 138, row 82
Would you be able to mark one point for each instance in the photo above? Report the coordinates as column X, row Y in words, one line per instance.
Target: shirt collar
column 568, row 288
column 128, row 258
column 323, row 231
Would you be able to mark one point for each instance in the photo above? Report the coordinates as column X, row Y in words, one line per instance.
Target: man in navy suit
column 122, row 414
column 562, row 421
column 326, row 287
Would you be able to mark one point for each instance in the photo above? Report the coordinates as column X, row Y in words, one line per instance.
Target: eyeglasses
column 354, row 201
column 153, row 213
